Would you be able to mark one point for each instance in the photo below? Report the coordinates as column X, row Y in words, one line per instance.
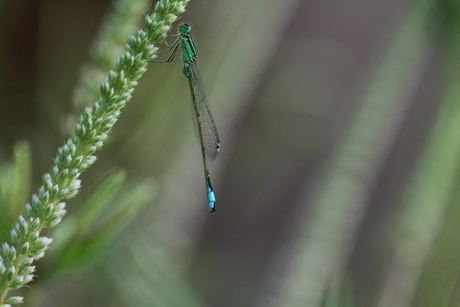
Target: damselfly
column 202, row 119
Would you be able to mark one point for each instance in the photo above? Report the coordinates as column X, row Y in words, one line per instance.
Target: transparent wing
column 211, row 141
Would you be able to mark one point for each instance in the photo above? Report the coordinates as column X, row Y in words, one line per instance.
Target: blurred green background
column 338, row 174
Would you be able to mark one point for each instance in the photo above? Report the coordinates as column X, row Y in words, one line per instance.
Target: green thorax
column 188, row 48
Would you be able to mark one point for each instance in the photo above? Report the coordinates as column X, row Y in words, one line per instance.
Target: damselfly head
column 185, row 28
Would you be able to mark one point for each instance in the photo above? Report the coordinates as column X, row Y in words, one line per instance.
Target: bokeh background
column 338, row 174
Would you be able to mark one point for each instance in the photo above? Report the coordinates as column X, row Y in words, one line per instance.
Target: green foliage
column 24, row 244
column 351, row 176
column 14, row 186
column 122, row 21
column 83, row 238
